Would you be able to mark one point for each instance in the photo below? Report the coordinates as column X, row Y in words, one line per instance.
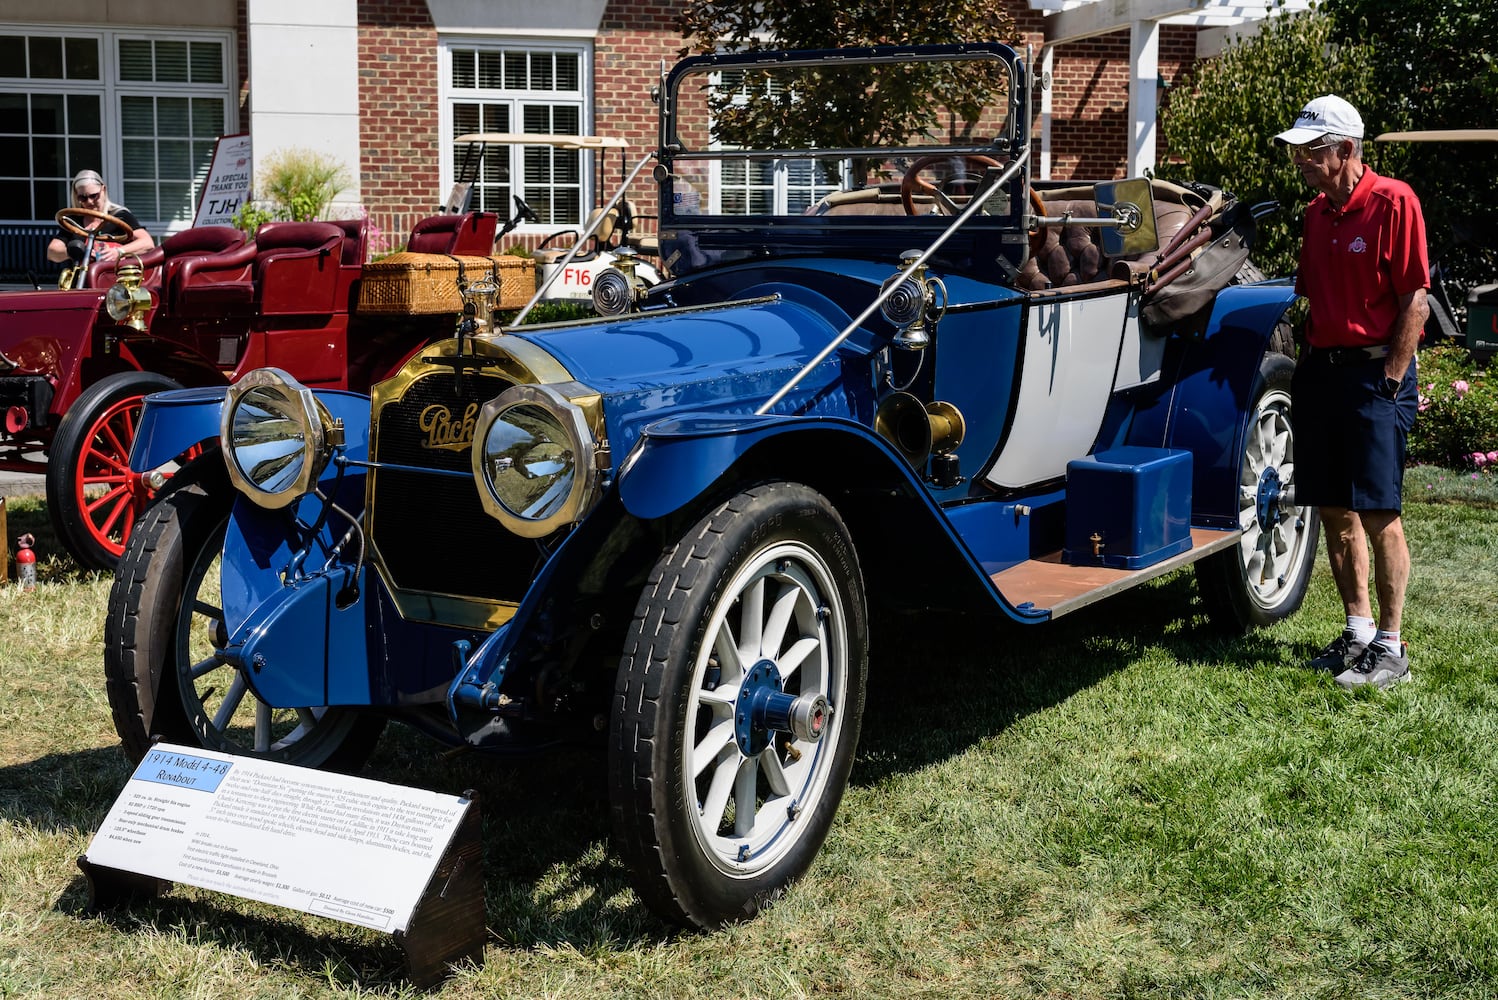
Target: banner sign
column 228, row 184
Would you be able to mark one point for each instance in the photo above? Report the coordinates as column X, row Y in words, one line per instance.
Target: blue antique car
column 889, row 372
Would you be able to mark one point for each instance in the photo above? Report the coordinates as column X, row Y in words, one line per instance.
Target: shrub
column 1458, row 419
column 1223, row 120
column 295, row 184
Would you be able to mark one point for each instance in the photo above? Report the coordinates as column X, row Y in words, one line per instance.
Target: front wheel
column 165, row 628
column 1264, row 577
column 738, row 705
column 92, row 495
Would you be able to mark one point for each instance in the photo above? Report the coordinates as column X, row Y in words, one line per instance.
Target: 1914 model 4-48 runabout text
column 890, row 371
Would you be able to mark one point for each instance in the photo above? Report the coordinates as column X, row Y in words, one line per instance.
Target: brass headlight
column 127, row 302
column 277, row 437
column 534, row 458
column 618, row 289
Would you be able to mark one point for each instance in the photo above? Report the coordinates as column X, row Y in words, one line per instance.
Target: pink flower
column 1461, row 386
column 1430, row 386
column 1493, row 457
column 1479, row 459
column 1424, row 404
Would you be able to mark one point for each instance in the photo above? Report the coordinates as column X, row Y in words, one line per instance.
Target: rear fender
column 1207, row 410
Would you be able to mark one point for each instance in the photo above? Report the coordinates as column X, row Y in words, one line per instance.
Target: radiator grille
column 431, row 531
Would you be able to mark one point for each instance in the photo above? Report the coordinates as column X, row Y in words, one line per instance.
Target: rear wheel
column 163, row 633
column 1264, row 577
column 738, row 705
column 93, row 497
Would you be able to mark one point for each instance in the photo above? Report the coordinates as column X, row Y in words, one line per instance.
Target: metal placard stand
column 301, row 839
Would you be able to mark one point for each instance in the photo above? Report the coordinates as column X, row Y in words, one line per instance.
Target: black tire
column 1263, row 578
column 92, row 497
column 679, row 763
column 164, row 619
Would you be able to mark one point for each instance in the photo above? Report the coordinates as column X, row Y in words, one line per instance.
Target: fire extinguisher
column 26, row 562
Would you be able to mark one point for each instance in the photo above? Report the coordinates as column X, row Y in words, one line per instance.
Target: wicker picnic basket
column 423, row 283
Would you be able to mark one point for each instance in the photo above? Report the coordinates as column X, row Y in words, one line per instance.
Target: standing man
column 1363, row 267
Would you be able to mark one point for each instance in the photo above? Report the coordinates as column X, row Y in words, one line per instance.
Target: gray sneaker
column 1377, row 665
column 1340, row 653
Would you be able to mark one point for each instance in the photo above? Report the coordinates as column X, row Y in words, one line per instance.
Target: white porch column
column 1144, row 58
column 304, row 83
column 1042, row 168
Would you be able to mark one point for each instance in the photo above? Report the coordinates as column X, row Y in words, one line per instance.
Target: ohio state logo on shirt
column 1357, row 246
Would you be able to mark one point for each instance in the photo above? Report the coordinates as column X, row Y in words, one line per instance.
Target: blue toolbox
column 1128, row 507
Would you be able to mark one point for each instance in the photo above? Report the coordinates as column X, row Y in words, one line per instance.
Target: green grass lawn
column 1126, row 804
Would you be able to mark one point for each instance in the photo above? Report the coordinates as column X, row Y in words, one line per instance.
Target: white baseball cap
column 1329, row 114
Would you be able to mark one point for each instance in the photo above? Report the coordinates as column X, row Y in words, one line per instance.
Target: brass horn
column 917, row 430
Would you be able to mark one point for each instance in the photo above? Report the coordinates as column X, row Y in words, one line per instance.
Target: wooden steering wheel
column 64, row 219
column 1038, row 234
column 912, row 180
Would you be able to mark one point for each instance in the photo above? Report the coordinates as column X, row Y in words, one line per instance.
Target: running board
column 1048, row 583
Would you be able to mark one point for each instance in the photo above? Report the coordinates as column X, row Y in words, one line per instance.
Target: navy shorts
column 1350, row 437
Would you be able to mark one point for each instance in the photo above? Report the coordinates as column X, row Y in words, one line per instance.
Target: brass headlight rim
column 572, row 419
column 311, row 417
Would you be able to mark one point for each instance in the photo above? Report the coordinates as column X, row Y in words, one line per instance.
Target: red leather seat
column 292, row 267
column 159, row 261
column 467, row 235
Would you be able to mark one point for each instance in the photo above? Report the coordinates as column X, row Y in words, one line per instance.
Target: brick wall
column 1090, row 95
column 633, row 38
column 399, row 160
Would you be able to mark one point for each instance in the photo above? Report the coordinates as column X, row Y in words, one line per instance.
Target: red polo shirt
column 1356, row 262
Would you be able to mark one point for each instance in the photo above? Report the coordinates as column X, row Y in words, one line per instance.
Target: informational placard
column 228, row 183
column 357, row 850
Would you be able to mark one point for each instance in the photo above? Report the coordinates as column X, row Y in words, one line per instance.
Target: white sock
column 1362, row 629
column 1389, row 640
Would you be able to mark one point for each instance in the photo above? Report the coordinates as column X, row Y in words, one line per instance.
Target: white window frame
column 110, row 90
column 447, row 96
column 780, row 186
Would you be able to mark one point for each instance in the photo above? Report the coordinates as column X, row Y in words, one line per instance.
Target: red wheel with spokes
column 92, row 496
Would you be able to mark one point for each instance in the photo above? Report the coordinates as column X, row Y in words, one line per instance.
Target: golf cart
column 570, row 258
column 1480, row 331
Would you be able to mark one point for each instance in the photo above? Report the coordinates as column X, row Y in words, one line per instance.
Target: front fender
column 173, row 421
column 682, row 465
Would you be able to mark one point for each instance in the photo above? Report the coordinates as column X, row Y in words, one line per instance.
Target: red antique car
column 204, row 307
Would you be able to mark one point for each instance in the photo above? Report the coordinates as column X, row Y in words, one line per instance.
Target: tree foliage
column 856, row 107
column 1436, row 68
column 1405, row 64
column 1222, row 123
column 735, row 26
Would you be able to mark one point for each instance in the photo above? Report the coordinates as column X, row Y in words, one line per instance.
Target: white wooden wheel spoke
column 708, row 749
column 716, row 800
column 745, row 784
column 775, row 777
column 752, row 620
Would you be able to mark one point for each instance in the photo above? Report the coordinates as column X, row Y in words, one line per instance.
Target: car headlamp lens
column 117, row 302
column 529, row 461
column 534, row 460
column 275, row 431
column 906, row 304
